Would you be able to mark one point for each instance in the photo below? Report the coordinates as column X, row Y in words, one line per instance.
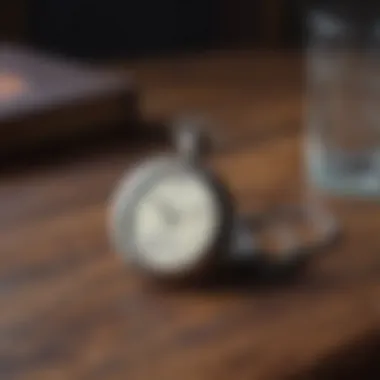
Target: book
column 45, row 98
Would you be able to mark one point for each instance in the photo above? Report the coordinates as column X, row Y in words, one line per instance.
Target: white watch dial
column 175, row 222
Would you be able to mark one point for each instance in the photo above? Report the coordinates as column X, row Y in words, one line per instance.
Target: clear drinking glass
column 343, row 97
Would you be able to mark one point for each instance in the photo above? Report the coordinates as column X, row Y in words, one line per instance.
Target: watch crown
column 191, row 138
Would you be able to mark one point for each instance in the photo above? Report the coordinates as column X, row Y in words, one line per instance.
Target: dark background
column 114, row 28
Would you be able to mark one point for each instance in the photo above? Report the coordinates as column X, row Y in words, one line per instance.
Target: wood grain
column 238, row 92
column 70, row 309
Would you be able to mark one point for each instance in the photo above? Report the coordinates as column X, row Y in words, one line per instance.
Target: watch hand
column 171, row 215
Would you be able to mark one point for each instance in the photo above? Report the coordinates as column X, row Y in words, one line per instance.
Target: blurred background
column 132, row 35
column 118, row 28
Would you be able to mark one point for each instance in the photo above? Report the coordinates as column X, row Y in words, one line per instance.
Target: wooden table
column 71, row 310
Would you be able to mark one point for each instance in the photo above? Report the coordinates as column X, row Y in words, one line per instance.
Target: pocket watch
column 174, row 219
column 170, row 216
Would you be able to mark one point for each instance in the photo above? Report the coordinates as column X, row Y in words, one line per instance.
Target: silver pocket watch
column 173, row 218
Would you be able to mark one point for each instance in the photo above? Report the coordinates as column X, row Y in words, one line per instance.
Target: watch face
column 175, row 222
column 170, row 221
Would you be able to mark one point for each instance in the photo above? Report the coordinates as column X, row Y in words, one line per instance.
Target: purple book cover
column 31, row 82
